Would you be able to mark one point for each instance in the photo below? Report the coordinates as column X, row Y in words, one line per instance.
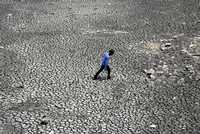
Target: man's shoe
column 108, row 77
column 95, row 78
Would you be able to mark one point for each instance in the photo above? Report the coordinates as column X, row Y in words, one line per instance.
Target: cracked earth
column 50, row 49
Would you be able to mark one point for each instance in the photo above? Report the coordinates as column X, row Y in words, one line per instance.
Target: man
column 104, row 63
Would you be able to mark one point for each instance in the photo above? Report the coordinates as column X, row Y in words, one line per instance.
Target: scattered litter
column 174, row 98
column 120, row 32
column 9, row 15
column 130, row 47
column 153, row 126
column 159, row 72
column 103, row 31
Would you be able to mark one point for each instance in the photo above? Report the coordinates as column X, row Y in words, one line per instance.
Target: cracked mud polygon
column 50, row 50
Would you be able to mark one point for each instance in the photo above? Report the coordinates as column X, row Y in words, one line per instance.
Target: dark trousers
column 102, row 68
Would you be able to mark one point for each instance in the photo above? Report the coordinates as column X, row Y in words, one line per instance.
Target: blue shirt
column 105, row 59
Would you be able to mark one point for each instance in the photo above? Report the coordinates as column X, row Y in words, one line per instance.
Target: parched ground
column 50, row 49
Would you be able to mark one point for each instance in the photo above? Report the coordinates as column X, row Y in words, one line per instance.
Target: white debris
column 178, row 35
column 151, row 71
column 159, row 72
column 186, row 51
column 130, row 46
column 153, row 126
column 52, row 132
column 168, row 44
column 163, row 40
column 120, row 32
column 9, row 14
column 109, row 4
column 184, row 23
column 152, row 76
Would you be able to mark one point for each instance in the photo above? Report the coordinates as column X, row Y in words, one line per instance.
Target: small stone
column 181, row 81
column 152, row 76
column 193, row 45
column 43, row 123
column 165, row 67
column 52, row 132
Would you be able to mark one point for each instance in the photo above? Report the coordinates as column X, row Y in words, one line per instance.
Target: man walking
column 104, row 63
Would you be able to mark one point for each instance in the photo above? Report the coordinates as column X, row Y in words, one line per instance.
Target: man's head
column 111, row 52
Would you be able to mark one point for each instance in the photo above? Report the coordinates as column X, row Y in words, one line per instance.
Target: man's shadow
column 101, row 78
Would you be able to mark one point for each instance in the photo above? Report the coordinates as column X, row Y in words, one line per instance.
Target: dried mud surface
column 50, row 49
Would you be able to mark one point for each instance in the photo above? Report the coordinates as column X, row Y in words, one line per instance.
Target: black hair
column 111, row 52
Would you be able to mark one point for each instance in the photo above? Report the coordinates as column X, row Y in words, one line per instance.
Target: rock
column 150, row 73
column 168, row 44
column 43, row 122
column 165, row 46
column 52, row 132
